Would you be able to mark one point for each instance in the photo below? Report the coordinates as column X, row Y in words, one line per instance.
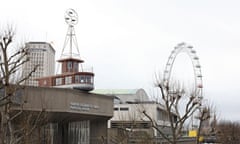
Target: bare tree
column 179, row 106
column 203, row 116
column 228, row 132
column 11, row 61
column 207, row 121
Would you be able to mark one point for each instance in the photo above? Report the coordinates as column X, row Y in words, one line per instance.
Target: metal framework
column 71, row 18
column 183, row 47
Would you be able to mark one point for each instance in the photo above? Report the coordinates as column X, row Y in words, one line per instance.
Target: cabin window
column 88, row 79
column 77, row 80
column 75, row 66
column 82, row 79
column 69, row 65
column 68, row 80
column 92, row 79
column 58, row 81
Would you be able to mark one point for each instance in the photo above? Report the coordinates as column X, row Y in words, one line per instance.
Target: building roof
column 125, row 95
column 116, row 91
column 71, row 59
column 42, row 43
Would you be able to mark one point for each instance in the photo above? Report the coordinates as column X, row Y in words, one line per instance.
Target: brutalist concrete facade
column 74, row 116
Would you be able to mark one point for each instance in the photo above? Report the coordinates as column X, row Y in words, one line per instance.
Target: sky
column 129, row 41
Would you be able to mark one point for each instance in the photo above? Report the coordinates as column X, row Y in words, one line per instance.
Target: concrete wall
column 64, row 106
column 67, row 101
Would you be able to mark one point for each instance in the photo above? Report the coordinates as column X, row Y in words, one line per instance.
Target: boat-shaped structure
column 72, row 75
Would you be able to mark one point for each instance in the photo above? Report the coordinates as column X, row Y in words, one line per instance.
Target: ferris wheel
column 188, row 49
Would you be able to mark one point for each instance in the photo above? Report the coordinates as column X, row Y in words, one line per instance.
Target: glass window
column 91, row 79
column 58, row 81
column 68, row 80
column 69, row 65
column 79, row 132
column 88, row 79
column 124, row 109
column 77, row 79
column 82, row 79
column 75, row 66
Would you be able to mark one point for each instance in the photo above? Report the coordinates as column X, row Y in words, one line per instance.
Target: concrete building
column 72, row 116
column 128, row 116
column 40, row 54
column 123, row 96
column 76, row 116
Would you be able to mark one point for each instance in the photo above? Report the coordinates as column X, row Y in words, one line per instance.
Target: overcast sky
column 128, row 41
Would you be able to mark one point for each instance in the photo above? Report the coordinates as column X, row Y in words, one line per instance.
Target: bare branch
column 154, row 126
column 178, row 109
column 29, row 75
column 21, row 52
column 12, row 114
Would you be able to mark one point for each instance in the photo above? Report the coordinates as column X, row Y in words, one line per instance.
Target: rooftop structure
column 72, row 75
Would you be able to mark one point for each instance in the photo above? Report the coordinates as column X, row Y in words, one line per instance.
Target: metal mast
column 71, row 18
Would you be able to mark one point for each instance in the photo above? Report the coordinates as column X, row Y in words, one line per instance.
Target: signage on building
column 82, row 106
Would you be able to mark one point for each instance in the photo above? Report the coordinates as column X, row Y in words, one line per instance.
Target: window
column 68, row 80
column 58, row 81
column 115, row 109
column 162, row 115
column 88, row 79
column 69, row 65
column 75, row 66
column 77, row 79
column 124, row 109
column 82, row 79
column 135, row 125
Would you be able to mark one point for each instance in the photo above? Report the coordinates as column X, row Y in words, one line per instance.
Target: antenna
column 71, row 18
